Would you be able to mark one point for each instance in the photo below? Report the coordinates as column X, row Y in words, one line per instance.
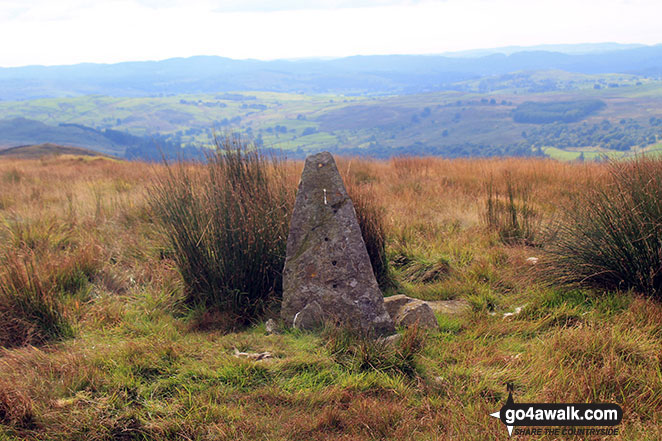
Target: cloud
column 292, row 5
column 49, row 10
column 279, row 5
column 161, row 4
column 44, row 10
column 73, row 31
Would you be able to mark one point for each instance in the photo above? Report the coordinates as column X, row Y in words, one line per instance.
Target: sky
column 48, row 32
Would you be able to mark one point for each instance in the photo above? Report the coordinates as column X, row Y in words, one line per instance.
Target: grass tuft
column 364, row 353
column 16, row 407
column 227, row 221
column 612, row 235
column 30, row 309
column 40, row 235
column 510, row 213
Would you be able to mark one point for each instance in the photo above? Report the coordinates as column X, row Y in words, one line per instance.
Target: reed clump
column 227, row 221
column 611, row 236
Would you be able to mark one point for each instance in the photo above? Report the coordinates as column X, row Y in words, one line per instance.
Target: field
column 134, row 364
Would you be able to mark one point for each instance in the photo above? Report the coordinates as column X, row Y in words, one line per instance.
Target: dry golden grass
column 135, row 369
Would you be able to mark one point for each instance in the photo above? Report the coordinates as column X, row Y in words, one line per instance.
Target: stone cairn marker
column 327, row 274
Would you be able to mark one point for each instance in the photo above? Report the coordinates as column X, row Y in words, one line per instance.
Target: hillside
column 22, row 131
column 41, row 150
column 27, row 132
column 624, row 115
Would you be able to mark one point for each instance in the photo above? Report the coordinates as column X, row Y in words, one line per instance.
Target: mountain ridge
column 355, row 75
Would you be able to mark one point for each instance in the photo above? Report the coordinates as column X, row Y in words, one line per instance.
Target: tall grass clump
column 510, row 213
column 16, row 407
column 611, row 236
column 227, row 221
column 31, row 311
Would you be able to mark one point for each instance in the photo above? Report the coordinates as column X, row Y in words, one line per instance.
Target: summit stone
column 327, row 274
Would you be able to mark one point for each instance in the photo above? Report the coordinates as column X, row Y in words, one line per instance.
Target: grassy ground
column 136, row 367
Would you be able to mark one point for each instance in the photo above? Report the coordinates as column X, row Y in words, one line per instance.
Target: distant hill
column 373, row 75
column 22, row 131
column 27, row 132
column 573, row 49
column 41, row 150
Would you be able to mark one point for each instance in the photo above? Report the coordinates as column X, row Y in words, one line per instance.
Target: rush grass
column 227, row 222
column 612, row 235
column 133, row 368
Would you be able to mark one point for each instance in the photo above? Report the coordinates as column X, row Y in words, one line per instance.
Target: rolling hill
column 22, row 131
column 372, row 75
column 510, row 121
column 41, row 150
column 580, row 100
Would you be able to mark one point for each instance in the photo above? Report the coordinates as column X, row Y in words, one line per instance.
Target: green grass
column 149, row 379
column 653, row 150
column 589, row 155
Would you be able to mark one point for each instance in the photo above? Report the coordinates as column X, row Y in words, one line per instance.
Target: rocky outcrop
column 406, row 312
column 327, row 274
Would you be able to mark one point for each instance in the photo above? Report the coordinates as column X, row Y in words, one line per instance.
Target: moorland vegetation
column 111, row 333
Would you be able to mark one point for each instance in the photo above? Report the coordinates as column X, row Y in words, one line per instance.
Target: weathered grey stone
column 417, row 312
column 406, row 312
column 326, row 260
column 310, row 317
column 394, row 303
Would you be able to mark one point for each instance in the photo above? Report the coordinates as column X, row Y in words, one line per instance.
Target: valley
column 446, row 123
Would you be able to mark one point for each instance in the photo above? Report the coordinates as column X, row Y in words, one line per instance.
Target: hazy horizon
column 84, row 31
column 571, row 49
